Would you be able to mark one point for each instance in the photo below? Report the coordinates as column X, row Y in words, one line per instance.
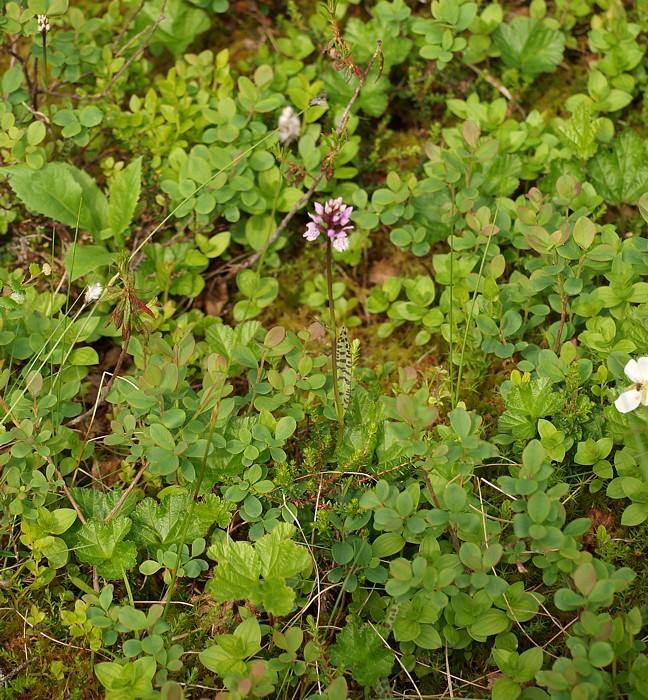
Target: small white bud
column 43, row 24
column 289, row 125
column 93, row 293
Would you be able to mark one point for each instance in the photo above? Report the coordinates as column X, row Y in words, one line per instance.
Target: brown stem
column 66, row 491
column 111, row 381
column 127, row 24
column 563, row 316
column 124, row 495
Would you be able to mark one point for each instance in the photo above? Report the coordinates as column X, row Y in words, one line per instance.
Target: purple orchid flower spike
column 333, row 220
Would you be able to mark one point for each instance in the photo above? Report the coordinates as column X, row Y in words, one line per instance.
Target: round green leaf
column 342, row 552
column 35, row 133
column 91, row 116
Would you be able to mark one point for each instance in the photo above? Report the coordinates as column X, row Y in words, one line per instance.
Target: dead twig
column 124, row 495
column 128, row 63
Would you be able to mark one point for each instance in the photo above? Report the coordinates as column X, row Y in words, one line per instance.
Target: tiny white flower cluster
column 43, row 24
column 637, row 394
column 93, row 293
column 289, row 125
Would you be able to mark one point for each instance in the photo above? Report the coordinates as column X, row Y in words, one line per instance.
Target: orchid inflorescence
column 333, row 220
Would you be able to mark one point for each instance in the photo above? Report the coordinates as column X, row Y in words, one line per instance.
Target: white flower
column 637, row 394
column 289, row 125
column 43, row 24
column 93, row 292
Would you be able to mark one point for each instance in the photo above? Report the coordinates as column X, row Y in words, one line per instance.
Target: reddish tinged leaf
column 141, row 306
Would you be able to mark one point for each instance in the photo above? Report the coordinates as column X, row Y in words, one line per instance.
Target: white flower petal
column 628, row 401
column 633, row 371
column 643, row 368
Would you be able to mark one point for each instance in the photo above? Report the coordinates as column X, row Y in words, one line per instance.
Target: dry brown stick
column 66, row 491
column 305, row 197
column 123, row 497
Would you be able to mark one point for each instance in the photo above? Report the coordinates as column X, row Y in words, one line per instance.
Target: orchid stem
column 329, row 283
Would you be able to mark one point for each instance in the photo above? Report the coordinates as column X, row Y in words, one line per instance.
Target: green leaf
column 100, row 544
column 35, row 133
column 132, row 619
column 506, row 689
column 95, row 504
column 227, row 655
column 634, row 514
column 620, row 175
column 455, row 497
column 91, row 116
column 61, row 192
column 84, row 357
column 344, row 368
column 580, row 131
column 181, row 25
column 62, row 520
column 12, row 79
column 526, row 403
column 529, row 45
column 81, row 260
column 363, row 651
column 488, row 623
column 162, row 523
column 539, row 507
column 258, row 572
column 128, row 680
column 123, row 196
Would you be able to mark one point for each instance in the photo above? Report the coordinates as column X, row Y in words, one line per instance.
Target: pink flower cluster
column 333, row 220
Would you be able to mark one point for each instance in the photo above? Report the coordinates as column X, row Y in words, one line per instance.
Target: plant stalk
column 329, row 284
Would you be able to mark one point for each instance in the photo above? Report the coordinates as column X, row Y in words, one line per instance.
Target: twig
column 305, row 197
column 447, row 665
column 563, row 316
column 66, row 491
column 128, row 63
column 127, row 24
column 124, row 495
column 109, row 386
column 4, row 677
